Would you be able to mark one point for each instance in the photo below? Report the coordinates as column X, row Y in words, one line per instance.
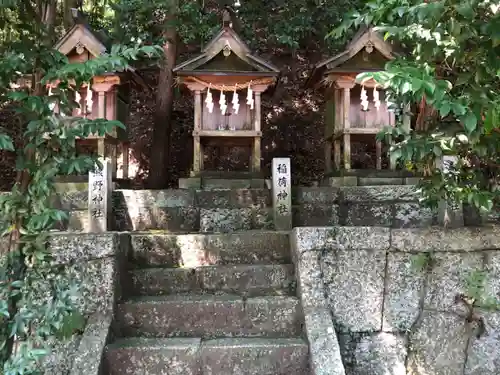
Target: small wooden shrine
column 106, row 96
column 226, row 80
column 354, row 110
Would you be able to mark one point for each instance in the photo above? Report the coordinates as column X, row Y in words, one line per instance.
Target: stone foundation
column 92, row 261
column 385, row 300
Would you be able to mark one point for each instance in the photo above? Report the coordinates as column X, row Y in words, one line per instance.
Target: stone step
column 223, row 183
column 194, row 250
column 252, row 356
column 179, row 356
column 78, row 221
column 227, row 220
column 210, row 316
column 388, row 206
column 139, row 356
column 233, row 198
column 243, row 280
column 378, row 214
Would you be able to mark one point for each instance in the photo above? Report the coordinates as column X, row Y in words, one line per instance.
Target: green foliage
column 420, row 262
column 476, row 289
column 29, row 319
column 448, row 60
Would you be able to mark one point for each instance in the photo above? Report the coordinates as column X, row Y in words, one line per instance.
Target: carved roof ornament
column 369, row 46
column 80, row 48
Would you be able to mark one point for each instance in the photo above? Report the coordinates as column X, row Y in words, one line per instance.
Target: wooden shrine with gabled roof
column 226, row 80
column 354, row 110
column 106, row 96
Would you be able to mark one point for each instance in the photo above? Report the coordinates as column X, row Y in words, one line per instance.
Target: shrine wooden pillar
column 345, row 98
column 198, row 152
column 106, row 110
column 256, row 149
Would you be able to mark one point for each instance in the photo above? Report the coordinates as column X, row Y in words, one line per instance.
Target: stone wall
column 385, row 300
column 92, row 260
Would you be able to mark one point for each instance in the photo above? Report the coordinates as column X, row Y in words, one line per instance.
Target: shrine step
column 181, row 356
column 195, row 250
column 389, row 206
column 210, row 316
column 227, row 220
column 178, row 210
column 221, row 183
column 243, row 280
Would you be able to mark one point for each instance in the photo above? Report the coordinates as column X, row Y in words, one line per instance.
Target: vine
column 29, row 322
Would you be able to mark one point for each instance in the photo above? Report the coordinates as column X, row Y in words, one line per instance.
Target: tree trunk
column 160, row 149
column 68, row 16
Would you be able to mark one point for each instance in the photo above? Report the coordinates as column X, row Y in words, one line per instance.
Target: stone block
column 354, row 283
column 366, row 214
column 377, row 181
column 340, row 181
column 249, row 356
column 483, row 354
column 380, row 354
column 449, row 277
column 359, row 238
column 193, row 250
column 240, row 198
column 412, row 215
column 378, row 193
column 309, row 280
column 403, row 292
column 439, row 239
column 209, row 316
column 92, row 346
column 315, row 195
column 412, row 180
column 190, row 183
column 154, row 198
column 247, row 280
column 438, row 345
column 77, row 221
column 225, row 220
column 72, row 200
column 224, row 183
column 177, row 356
column 315, row 215
column 61, row 356
column 173, row 219
column 325, row 357
column 78, row 247
column 346, row 238
column 159, row 281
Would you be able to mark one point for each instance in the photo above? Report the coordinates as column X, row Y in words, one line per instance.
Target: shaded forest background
column 290, row 34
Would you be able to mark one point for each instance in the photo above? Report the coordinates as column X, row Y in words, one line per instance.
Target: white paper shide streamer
column 364, row 99
column 235, row 101
column 250, row 99
column 88, row 100
column 222, row 102
column 376, row 98
column 209, row 101
column 78, row 99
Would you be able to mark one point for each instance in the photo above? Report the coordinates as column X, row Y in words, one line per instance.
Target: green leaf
column 445, row 109
column 6, row 143
column 470, row 122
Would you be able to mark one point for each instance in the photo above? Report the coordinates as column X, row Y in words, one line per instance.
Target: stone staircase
column 209, row 304
column 210, row 286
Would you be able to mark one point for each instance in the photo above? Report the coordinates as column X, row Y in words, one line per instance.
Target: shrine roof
column 81, row 35
column 347, row 61
column 227, row 54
